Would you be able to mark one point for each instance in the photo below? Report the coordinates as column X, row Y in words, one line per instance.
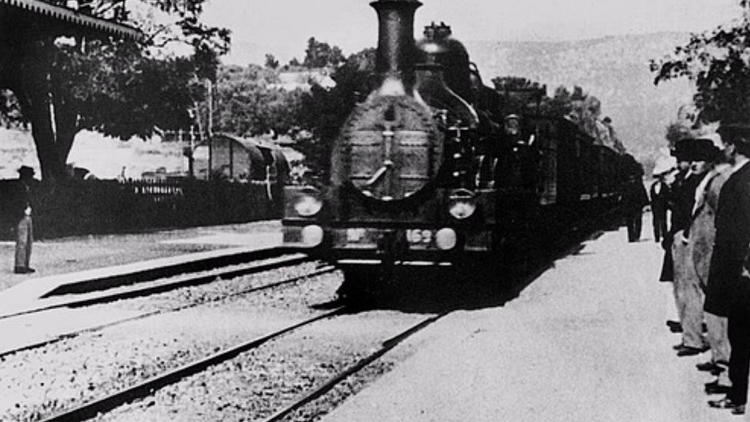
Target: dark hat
column 704, row 150
column 25, row 170
column 681, row 149
column 690, row 149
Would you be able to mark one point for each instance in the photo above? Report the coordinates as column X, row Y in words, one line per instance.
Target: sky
column 282, row 27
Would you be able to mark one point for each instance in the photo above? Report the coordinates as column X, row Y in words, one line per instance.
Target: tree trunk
column 66, row 122
column 53, row 139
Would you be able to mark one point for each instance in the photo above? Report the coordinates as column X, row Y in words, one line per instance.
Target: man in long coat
column 658, row 193
column 634, row 198
column 679, row 219
column 727, row 294
column 21, row 208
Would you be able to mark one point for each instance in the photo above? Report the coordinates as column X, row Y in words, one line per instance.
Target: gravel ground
column 70, row 254
column 39, row 382
column 260, row 382
column 214, row 291
column 25, row 330
column 321, row 406
column 218, row 288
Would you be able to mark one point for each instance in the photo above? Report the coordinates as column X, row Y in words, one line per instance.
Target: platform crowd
column 705, row 241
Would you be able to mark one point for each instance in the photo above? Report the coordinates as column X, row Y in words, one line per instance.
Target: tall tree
column 249, row 101
column 271, row 61
column 121, row 88
column 323, row 111
column 718, row 62
column 320, row 54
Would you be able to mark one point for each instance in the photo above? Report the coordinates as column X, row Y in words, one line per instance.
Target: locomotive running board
column 407, row 263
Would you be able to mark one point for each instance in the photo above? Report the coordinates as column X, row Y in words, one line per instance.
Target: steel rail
column 353, row 369
column 207, row 276
column 60, row 337
column 146, row 388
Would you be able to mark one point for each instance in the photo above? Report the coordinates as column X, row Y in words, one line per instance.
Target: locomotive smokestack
column 396, row 51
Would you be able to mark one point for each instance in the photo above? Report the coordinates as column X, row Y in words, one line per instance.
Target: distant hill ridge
column 614, row 69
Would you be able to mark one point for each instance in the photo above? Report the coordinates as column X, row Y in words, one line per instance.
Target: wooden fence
column 109, row 206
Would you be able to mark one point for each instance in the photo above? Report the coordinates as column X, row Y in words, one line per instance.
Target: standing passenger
column 727, row 293
column 634, row 199
column 22, row 204
column 675, row 181
column 701, row 240
column 659, row 192
column 687, row 291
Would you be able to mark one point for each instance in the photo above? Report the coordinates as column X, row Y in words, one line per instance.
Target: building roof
column 248, row 143
column 72, row 16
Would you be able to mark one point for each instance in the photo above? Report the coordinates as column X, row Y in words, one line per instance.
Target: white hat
column 663, row 165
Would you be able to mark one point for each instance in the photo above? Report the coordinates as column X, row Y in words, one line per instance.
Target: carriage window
column 267, row 156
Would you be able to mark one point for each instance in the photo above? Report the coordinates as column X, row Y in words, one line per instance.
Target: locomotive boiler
column 429, row 172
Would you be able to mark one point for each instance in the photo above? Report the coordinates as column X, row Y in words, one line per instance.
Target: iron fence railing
column 110, row 206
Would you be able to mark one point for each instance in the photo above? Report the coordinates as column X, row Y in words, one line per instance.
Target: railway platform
column 586, row 341
column 75, row 260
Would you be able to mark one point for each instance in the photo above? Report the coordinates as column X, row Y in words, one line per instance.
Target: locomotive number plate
column 419, row 237
column 355, row 235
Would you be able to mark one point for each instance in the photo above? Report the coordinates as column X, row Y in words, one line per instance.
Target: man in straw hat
column 727, row 291
column 22, row 205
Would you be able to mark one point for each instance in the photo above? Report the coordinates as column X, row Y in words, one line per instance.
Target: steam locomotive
column 428, row 172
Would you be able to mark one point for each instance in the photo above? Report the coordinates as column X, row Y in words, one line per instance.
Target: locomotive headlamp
column 308, row 203
column 312, row 235
column 462, row 204
column 445, row 239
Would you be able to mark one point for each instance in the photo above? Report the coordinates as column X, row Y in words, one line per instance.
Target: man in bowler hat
column 687, row 291
column 658, row 193
column 22, row 206
column 676, row 198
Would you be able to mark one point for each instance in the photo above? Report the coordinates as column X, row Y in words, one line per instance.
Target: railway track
column 349, row 371
column 39, row 382
column 110, row 401
column 100, row 407
column 249, row 290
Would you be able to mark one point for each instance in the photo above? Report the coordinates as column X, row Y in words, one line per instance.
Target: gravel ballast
column 258, row 383
column 40, row 382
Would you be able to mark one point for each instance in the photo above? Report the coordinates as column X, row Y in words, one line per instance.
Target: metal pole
column 210, row 126
column 191, row 163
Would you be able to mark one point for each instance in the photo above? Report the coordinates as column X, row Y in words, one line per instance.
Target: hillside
column 614, row 69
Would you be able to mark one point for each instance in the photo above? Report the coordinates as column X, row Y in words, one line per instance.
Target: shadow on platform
column 443, row 290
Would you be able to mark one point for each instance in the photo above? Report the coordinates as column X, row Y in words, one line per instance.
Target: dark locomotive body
column 428, row 172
